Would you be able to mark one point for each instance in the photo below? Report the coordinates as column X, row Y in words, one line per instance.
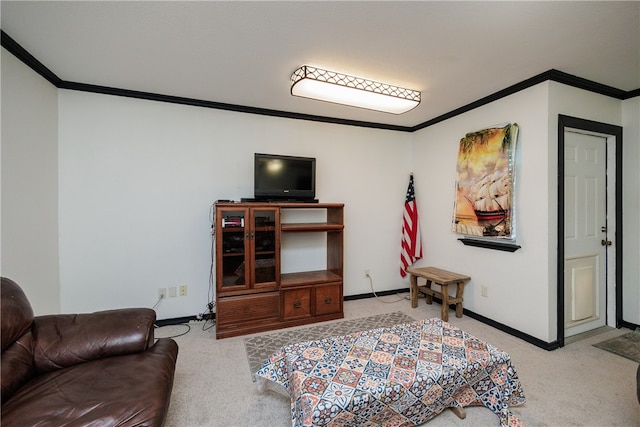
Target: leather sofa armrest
column 64, row 340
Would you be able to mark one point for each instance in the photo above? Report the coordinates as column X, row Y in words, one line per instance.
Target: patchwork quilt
column 402, row 375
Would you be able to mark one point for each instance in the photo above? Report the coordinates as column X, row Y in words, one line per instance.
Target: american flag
column 411, row 249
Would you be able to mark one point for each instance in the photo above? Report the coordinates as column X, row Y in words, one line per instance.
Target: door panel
column 585, row 219
column 581, row 289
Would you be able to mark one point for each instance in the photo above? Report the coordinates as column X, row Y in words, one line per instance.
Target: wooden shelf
column 286, row 205
column 498, row 245
column 310, row 205
column 312, row 226
column 308, row 278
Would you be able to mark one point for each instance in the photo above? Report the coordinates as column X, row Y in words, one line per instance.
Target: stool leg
column 414, row 290
column 428, row 296
column 460, row 412
column 459, row 293
column 445, row 303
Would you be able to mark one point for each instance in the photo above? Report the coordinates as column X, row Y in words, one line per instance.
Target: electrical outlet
column 366, row 273
column 172, row 292
column 183, row 290
column 484, row 291
column 162, row 293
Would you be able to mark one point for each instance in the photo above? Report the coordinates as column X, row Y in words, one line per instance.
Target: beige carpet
column 577, row 385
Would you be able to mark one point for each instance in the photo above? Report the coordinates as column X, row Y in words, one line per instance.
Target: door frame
column 611, row 132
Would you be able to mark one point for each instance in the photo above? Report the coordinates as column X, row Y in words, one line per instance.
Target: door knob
column 605, row 242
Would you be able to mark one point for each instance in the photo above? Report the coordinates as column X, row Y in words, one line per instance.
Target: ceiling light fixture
column 316, row 83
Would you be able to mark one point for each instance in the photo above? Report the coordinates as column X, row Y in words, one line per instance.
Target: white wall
column 521, row 285
column 518, row 283
column 132, row 182
column 631, row 207
column 30, row 184
column 137, row 179
column 590, row 106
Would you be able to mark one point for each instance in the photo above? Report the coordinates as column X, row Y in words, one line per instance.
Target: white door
column 585, row 237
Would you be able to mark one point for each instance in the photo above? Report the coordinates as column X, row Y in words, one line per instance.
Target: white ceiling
column 243, row 53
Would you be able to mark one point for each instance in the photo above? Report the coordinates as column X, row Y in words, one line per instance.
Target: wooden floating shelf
column 498, row 246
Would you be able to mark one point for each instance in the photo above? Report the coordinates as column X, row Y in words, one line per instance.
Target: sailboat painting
column 484, row 202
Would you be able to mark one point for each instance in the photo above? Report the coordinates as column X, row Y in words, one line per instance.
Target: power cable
column 177, row 335
column 376, row 295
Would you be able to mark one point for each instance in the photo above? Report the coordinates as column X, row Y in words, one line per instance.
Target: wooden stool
column 440, row 277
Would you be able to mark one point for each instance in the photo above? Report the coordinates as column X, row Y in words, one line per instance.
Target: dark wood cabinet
column 247, row 251
column 251, row 293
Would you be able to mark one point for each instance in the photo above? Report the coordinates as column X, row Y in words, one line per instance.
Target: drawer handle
column 327, row 300
column 297, row 304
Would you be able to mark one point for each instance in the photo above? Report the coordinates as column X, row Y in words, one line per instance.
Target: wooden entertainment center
column 252, row 295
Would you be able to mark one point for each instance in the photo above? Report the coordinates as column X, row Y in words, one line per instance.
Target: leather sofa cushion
column 17, row 366
column 17, row 314
column 123, row 391
column 17, row 340
column 68, row 339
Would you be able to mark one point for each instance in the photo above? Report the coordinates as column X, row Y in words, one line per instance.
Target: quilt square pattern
column 403, row 375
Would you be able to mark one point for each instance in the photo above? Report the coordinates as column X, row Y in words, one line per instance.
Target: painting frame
column 485, row 196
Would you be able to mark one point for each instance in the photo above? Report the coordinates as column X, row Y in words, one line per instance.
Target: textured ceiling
column 243, row 53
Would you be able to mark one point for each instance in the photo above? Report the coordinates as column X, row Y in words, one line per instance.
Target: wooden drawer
column 328, row 298
column 247, row 308
column 296, row 303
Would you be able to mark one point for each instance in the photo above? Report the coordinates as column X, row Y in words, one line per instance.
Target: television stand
column 268, row 200
column 252, row 293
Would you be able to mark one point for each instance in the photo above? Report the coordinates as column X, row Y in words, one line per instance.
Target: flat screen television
column 284, row 178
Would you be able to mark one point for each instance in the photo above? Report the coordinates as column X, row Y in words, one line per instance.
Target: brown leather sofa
column 98, row 369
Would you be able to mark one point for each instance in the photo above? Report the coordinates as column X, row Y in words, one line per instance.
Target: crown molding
column 21, row 53
column 552, row 75
column 83, row 87
column 632, row 94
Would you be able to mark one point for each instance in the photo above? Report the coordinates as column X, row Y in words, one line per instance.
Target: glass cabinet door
column 233, row 234
column 247, row 249
column 265, row 247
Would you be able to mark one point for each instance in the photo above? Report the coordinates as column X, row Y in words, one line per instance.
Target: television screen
column 278, row 177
